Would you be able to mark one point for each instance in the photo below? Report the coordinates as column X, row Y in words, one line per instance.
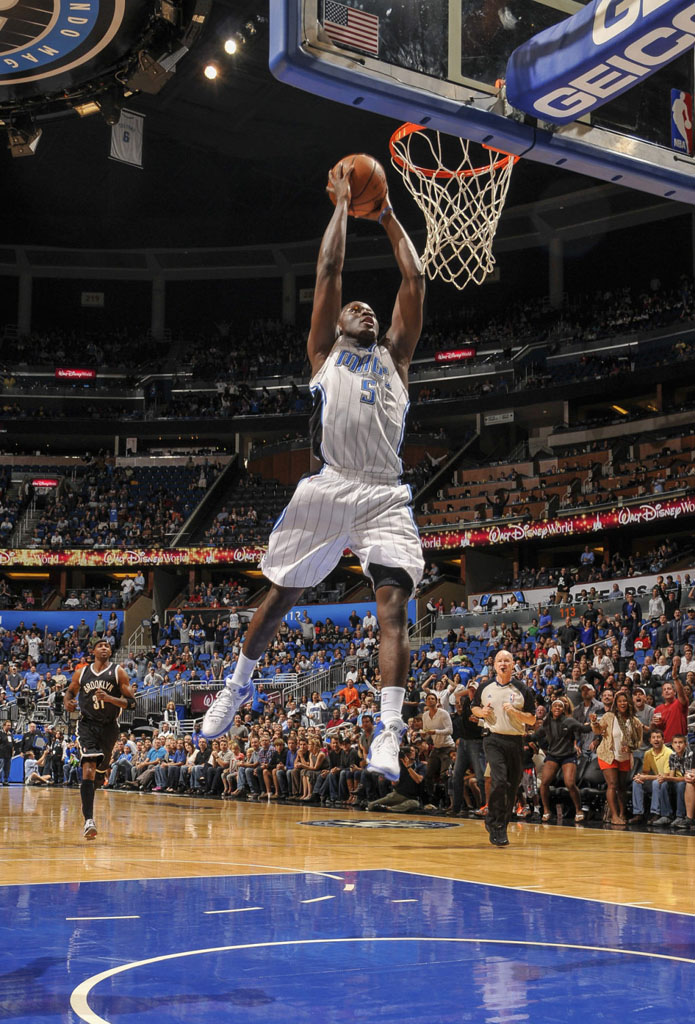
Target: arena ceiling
column 239, row 160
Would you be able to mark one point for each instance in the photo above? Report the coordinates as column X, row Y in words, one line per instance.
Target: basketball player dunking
column 101, row 690
column 360, row 389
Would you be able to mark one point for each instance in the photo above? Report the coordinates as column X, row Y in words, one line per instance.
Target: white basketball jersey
column 360, row 405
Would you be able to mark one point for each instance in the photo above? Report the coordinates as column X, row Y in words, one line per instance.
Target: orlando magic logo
column 42, row 38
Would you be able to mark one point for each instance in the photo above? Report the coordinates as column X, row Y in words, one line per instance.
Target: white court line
column 232, row 910
column 318, row 899
column 543, row 892
column 348, row 887
column 405, row 901
column 80, row 1005
column 274, row 870
column 114, row 917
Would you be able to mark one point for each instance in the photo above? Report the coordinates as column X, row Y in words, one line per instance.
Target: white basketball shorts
column 338, row 509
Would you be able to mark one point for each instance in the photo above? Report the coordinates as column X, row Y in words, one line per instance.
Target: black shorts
column 560, row 761
column 97, row 740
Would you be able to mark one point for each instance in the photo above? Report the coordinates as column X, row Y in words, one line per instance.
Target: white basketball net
column 462, row 205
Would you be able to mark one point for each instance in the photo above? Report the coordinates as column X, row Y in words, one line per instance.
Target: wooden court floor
column 155, row 836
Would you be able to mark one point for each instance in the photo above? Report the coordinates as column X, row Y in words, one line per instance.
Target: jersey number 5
column 368, row 395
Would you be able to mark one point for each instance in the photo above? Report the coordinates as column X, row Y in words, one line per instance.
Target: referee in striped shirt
column 506, row 706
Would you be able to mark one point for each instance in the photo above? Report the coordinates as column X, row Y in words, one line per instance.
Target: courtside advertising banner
column 608, row 47
column 124, row 557
column 567, row 526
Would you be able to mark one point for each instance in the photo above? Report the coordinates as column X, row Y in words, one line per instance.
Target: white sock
column 244, row 669
column 391, row 704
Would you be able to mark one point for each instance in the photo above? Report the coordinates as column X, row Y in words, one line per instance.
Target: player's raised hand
column 381, row 211
column 339, row 182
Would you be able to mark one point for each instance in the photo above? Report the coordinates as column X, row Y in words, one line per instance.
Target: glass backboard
column 439, row 62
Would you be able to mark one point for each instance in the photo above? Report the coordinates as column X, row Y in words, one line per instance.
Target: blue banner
column 338, row 613
column 599, row 53
column 54, row 620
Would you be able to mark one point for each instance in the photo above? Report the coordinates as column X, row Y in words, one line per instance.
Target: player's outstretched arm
column 406, row 319
column 329, row 272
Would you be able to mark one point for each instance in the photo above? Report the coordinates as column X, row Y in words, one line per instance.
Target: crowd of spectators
column 233, row 590
column 248, row 515
column 118, row 349
column 587, row 663
column 266, row 348
column 10, row 506
column 584, row 318
column 565, row 481
column 15, row 597
column 108, row 506
column 232, row 399
column 591, row 571
column 232, row 361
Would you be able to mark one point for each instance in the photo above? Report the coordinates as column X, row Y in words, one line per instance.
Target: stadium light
column 230, row 46
column 211, row 71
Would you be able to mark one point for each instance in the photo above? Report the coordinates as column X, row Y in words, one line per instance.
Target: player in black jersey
column 99, row 691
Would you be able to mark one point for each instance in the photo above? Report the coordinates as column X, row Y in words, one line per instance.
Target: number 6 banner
column 126, row 139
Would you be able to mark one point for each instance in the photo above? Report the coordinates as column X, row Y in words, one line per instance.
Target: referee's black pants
column 504, row 754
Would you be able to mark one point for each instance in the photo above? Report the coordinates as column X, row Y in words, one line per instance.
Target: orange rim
column 412, row 129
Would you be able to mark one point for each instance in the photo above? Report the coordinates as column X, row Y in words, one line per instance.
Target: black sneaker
column 663, row 822
column 498, row 836
column 681, row 823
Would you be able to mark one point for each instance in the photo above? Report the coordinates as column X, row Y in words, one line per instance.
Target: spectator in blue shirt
column 587, row 633
column 259, row 702
column 545, row 623
column 31, row 678
column 587, row 557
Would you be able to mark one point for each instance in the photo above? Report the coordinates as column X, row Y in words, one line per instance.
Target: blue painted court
column 377, row 946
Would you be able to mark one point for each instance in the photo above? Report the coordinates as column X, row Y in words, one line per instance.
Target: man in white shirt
column 687, row 661
column 662, row 668
column 369, row 621
column 307, row 626
column 437, row 727
column 362, row 652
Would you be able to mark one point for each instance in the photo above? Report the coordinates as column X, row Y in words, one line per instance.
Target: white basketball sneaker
column 90, row 829
column 219, row 718
column 382, row 758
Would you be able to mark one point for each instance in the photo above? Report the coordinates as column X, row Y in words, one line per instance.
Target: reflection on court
column 346, row 946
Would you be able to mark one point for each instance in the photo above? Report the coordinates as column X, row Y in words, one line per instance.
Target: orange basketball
column 367, row 184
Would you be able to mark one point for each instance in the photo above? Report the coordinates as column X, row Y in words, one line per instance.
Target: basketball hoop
column 462, row 205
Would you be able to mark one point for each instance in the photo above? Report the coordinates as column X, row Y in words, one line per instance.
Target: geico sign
column 567, row 71
column 622, row 70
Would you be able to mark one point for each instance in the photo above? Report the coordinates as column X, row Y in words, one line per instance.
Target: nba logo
column 682, row 121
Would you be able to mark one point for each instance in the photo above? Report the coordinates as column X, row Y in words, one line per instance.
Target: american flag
column 351, row 27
